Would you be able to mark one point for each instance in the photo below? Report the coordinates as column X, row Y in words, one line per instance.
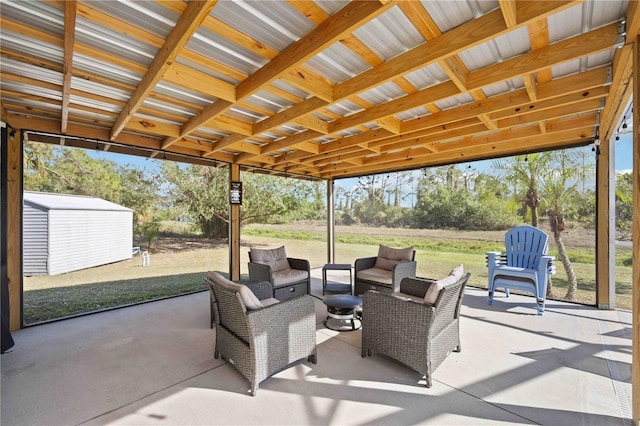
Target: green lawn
column 179, row 261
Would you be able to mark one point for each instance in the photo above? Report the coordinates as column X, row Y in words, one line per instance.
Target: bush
column 447, row 208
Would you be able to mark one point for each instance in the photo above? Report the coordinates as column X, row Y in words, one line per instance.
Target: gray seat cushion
column 378, row 275
column 288, row 276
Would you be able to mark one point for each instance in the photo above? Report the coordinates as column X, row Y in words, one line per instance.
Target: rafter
column 69, row 41
column 188, row 23
column 429, row 116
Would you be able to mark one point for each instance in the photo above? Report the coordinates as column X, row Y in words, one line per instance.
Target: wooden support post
column 331, row 223
column 234, row 228
column 14, row 227
column 635, row 309
column 605, row 226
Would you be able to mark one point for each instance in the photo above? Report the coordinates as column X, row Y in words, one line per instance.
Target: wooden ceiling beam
column 310, row 82
column 473, row 150
column 534, row 107
column 67, row 64
column 508, row 8
column 511, row 100
column 560, row 52
column 463, row 37
column 435, row 140
column 557, row 112
column 309, row 9
column 622, row 71
column 440, row 91
column 345, row 21
column 472, row 27
column 289, row 114
column 231, row 125
column 192, row 79
column 313, row 123
column 188, row 23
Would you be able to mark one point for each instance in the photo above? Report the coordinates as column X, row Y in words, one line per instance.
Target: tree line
column 557, row 186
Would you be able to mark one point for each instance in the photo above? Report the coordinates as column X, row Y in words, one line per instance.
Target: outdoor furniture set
column 413, row 320
column 255, row 319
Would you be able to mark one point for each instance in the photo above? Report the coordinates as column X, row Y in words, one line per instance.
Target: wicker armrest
column 415, row 286
column 365, row 263
column 262, row 289
column 301, row 264
column 260, row 272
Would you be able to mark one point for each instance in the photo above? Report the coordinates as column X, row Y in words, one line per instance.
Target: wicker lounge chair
column 260, row 337
column 384, row 271
column 289, row 276
column 405, row 327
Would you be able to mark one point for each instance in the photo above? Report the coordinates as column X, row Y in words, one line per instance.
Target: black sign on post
column 235, row 193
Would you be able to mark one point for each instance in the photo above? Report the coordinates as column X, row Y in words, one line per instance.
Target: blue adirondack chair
column 524, row 265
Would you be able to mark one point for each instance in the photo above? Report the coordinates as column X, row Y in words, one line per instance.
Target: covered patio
column 323, row 90
column 152, row 364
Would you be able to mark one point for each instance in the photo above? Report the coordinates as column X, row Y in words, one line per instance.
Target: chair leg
column 458, row 348
column 540, row 307
column 428, row 383
column 313, row 358
column 216, row 354
column 490, row 297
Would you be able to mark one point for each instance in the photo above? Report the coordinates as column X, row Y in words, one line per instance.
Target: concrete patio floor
column 153, row 364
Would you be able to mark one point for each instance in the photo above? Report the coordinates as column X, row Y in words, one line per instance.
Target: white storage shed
column 65, row 233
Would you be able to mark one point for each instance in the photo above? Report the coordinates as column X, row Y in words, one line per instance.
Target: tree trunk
column 214, row 227
column 572, row 285
column 534, row 216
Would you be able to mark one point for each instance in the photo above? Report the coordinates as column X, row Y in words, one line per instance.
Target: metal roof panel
column 147, row 15
column 450, row 14
column 427, row 76
column 274, row 23
column 337, row 63
column 30, row 47
column 390, row 34
column 71, row 202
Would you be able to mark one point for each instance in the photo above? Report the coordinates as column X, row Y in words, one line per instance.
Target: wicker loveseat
column 260, row 337
column 289, row 276
column 384, row 271
column 418, row 326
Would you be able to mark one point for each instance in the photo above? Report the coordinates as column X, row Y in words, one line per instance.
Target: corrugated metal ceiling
column 330, row 79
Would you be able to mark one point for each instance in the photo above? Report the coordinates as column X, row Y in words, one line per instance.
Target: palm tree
column 557, row 189
column 527, row 171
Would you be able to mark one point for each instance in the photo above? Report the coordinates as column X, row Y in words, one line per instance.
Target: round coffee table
column 342, row 307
